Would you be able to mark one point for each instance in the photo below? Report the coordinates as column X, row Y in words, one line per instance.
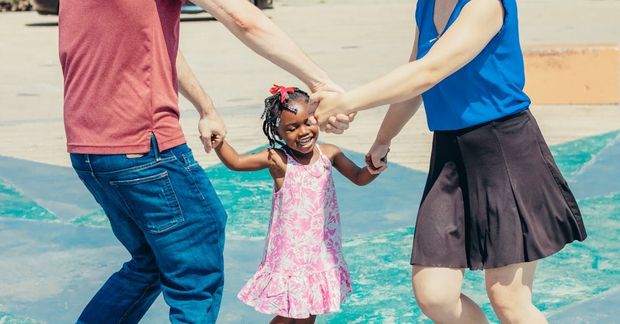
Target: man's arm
column 260, row 34
column 211, row 126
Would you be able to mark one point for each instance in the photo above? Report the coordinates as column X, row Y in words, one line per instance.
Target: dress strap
column 322, row 155
column 289, row 158
column 318, row 147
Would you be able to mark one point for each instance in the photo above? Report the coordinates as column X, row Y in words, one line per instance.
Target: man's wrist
column 321, row 82
column 207, row 112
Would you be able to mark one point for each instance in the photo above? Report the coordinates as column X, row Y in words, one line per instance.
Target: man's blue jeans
column 163, row 209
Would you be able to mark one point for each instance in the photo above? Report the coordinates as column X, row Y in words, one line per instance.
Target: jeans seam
column 140, row 167
column 188, row 166
column 219, row 224
column 120, row 320
column 92, row 172
column 139, row 180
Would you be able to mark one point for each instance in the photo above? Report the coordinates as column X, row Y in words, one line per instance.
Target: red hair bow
column 282, row 90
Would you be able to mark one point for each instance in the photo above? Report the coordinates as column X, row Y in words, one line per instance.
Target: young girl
column 303, row 272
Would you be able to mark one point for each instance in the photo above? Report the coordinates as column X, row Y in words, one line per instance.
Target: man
column 122, row 72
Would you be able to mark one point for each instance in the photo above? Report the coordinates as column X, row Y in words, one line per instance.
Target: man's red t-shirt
column 119, row 63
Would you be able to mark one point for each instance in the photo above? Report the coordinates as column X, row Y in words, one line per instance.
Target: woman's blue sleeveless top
column 487, row 88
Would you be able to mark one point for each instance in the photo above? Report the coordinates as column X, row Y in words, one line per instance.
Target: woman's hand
column 376, row 158
column 330, row 111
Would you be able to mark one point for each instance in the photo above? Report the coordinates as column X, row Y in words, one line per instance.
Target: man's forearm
column 260, row 34
column 396, row 118
column 190, row 88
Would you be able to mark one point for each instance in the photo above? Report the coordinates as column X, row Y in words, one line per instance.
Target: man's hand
column 338, row 123
column 376, row 158
column 328, row 86
column 212, row 130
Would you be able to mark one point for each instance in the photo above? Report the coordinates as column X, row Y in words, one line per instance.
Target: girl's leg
column 309, row 320
column 286, row 320
column 438, row 293
column 282, row 320
column 510, row 290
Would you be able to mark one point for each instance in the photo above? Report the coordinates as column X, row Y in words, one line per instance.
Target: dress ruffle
column 296, row 295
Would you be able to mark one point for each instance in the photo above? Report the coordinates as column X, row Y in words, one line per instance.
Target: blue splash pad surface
column 58, row 250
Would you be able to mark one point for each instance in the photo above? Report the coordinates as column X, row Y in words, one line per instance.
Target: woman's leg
column 438, row 293
column 510, row 290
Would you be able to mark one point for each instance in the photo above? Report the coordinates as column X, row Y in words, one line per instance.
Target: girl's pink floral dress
column 303, row 271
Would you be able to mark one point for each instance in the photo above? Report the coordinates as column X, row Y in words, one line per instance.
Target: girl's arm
column 395, row 119
column 477, row 24
column 268, row 158
column 348, row 168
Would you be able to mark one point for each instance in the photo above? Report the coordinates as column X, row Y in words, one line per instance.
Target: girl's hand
column 376, row 158
column 212, row 130
column 330, row 111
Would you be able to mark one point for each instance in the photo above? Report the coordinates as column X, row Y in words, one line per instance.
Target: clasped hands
column 331, row 112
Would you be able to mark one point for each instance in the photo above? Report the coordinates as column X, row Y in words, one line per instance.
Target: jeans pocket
column 152, row 202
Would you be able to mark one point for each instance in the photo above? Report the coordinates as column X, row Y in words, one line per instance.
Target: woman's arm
column 348, row 168
column 395, row 119
column 268, row 158
column 399, row 114
column 211, row 125
column 477, row 24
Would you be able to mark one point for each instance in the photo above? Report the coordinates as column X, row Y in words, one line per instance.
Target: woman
column 494, row 198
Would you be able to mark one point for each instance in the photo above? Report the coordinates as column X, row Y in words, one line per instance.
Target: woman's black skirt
column 494, row 197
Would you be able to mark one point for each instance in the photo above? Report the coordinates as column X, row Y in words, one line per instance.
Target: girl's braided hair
column 274, row 105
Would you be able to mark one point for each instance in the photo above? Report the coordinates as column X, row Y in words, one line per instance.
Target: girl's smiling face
column 296, row 130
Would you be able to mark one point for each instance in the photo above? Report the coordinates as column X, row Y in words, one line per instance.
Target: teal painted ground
column 377, row 235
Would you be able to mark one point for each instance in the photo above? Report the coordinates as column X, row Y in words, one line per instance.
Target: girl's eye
column 290, row 129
